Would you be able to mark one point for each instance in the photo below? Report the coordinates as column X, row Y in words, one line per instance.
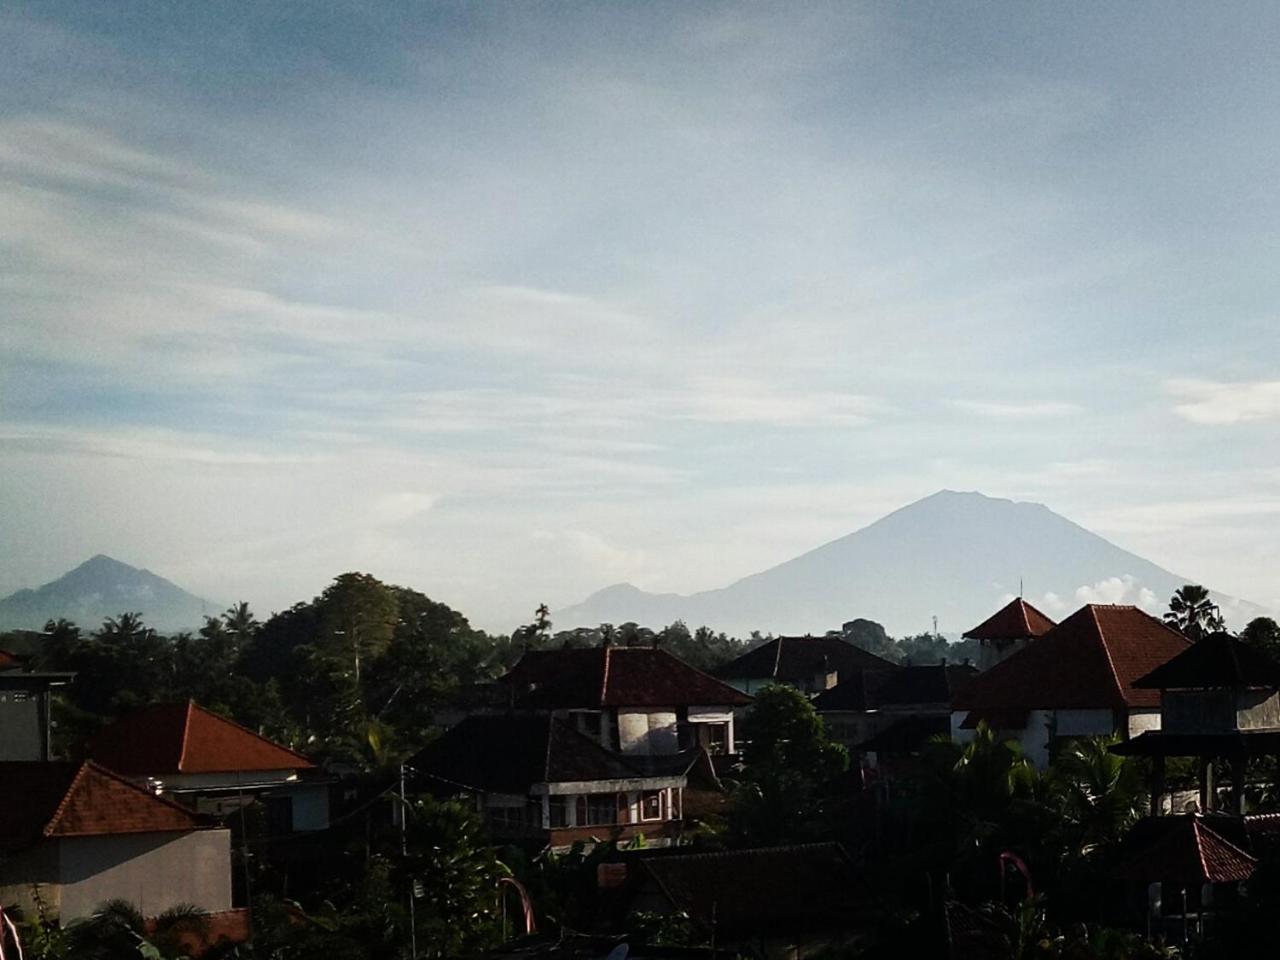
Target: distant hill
column 954, row 555
column 102, row 587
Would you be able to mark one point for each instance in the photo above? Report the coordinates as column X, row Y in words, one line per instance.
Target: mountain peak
column 102, row 587
column 954, row 555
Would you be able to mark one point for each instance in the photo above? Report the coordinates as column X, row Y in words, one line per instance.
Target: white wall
column 648, row 733
column 1140, row 721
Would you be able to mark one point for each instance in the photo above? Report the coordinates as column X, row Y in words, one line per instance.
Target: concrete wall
column 1258, row 709
column 648, row 733
column 22, row 719
column 153, row 871
column 1140, row 721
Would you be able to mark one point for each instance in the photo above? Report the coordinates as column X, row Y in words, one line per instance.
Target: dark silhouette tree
column 1193, row 613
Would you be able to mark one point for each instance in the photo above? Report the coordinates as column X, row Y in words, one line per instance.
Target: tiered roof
column 1017, row 620
column 60, row 799
column 1089, row 661
column 1189, row 852
column 795, row 659
column 614, row 677
column 174, row 738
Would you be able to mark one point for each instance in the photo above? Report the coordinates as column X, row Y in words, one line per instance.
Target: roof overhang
column 606, row 786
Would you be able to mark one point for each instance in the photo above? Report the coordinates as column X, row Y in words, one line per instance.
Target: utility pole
column 404, row 853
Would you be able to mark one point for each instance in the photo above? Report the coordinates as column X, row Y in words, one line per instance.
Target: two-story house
column 1076, row 680
column 600, row 742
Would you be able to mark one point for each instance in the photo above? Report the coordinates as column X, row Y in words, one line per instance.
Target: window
column 715, row 737
column 597, row 809
column 651, row 805
column 559, row 811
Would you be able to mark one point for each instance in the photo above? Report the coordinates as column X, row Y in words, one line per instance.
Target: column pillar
column 1157, row 785
column 1206, row 784
column 1238, row 766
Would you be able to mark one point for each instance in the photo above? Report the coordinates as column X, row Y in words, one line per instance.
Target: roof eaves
column 186, row 734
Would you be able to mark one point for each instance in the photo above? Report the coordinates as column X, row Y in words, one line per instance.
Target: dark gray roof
column 794, row 659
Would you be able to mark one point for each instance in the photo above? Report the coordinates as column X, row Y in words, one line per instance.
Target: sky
column 510, row 302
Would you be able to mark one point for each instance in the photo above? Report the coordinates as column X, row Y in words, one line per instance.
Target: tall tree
column 1193, row 613
column 791, row 770
column 1263, row 633
column 357, row 615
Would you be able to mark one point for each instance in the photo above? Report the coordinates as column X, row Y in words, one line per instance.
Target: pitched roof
column 794, row 659
column 63, row 799
column 510, row 753
column 614, row 677
column 798, row 888
column 900, row 686
column 1219, row 660
column 907, row 735
column 1016, row 620
column 9, row 661
column 1089, row 661
column 171, row 738
column 1189, row 852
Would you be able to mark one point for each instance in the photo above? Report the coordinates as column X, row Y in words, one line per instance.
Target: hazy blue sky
column 510, row 301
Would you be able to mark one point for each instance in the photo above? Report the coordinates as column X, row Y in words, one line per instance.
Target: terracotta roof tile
column 173, row 738
column 9, row 661
column 614, row 677
column 1017, row 620
column 1089, row 661
column 1190, row 852
column 81, row 800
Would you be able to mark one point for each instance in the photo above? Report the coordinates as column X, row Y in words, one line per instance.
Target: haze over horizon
column 509, row 303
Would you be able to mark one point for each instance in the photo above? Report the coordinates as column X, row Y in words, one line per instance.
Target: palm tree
column 1099, row 794
column 1193, row 613
column 241, row 622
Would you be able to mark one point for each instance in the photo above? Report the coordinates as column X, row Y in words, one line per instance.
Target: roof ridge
column 186, row 733
column 777, row 657
column 604, row 676
column 698, row 670
column 90, row 765
column 1106, row 649
column 546, row 754
column 751, row 851
column 1026, row 620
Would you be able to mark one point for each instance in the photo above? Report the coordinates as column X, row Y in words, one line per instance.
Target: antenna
column 1019, row 588
column 935, row 626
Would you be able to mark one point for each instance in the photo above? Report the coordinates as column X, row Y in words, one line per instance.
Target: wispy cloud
column 1016, row 411
column 1210, row 402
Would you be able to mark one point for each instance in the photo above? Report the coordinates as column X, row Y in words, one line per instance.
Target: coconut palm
column 1193, row 613
column 1099, row 794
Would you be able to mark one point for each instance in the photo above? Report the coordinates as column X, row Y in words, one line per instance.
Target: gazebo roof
column 1189, row 852
column 1219, row 660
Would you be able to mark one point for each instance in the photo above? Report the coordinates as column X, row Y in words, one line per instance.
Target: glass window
column 596, row 809
column 559, row 809
column 651, row 805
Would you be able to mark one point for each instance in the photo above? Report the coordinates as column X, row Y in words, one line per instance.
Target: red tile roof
column 1089, row 661
column 1017, row 620
column 81, row 800
column 171, row 738
column 1190, row 853
column 614, row 677
column 9, row 661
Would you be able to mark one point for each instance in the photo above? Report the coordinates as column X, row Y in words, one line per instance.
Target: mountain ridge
column 956, row 555
column 102, row 587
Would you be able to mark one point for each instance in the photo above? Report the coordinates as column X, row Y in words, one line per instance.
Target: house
column 1008, row 630
column 810, row 664
column 214, row 765
column 1219, row 700
column 793, row 901
column 24, row 709
column 537, row 777
column 74, row 835
column 1074, row 680
column 639, row 701
column 891, row 714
